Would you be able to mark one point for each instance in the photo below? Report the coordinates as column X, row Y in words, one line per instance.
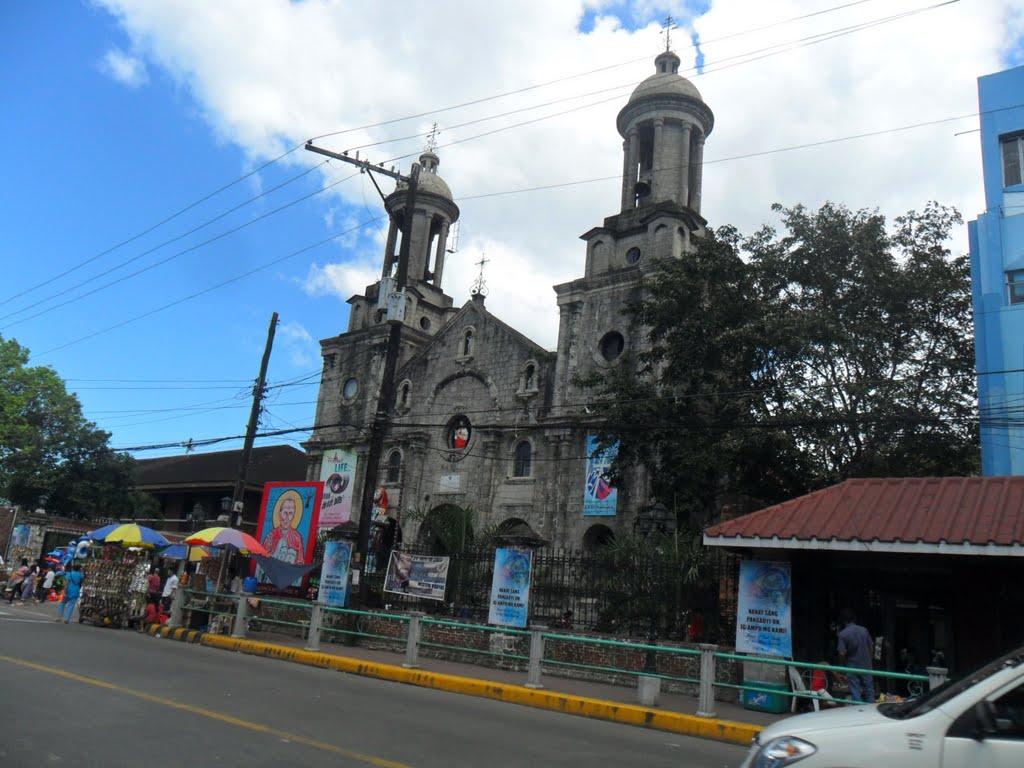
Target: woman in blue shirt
column 72, row 589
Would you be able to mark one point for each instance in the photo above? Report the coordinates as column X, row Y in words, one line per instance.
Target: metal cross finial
column 432, row 139
column 480, row 287
column 666, row 29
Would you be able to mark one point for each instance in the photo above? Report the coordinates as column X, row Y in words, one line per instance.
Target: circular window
column 632, row 255
column 425, row 323
column 351, row 388
column 459, row 432
column 611, row 345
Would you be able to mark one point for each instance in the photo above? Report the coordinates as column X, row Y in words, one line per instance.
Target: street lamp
column 198, row 514
column 224, row 518
column 655, row 520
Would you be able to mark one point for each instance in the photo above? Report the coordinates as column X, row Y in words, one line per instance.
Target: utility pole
column 238, row 495
column 386, row 394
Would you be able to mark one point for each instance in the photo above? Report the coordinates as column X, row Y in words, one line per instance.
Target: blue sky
column 126, row 114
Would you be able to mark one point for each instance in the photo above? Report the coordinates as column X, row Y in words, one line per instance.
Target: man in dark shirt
column 856, row 649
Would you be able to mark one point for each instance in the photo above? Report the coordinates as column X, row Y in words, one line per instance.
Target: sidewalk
column 676, row 712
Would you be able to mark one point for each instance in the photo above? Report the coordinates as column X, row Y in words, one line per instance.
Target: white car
column 975, row 722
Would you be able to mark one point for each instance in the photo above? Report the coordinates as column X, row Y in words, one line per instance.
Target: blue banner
column 510, row 589
column 763, row 616
column 599, row 496
column 334, row 574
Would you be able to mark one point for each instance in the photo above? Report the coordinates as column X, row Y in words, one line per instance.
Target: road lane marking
column 293, row 737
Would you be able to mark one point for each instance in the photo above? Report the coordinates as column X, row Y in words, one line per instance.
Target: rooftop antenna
column 480, row 287
column 432, row 139
column 666, row 29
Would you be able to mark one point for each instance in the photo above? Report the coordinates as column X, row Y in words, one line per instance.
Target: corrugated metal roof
column 978, row 511
column 268, row 463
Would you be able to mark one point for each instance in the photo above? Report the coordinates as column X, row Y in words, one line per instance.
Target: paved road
column 85, row 696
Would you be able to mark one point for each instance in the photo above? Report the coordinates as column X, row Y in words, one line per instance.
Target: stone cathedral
column 484, row 417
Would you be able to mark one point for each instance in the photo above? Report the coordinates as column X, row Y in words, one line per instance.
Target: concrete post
column 649, row 690
column 936, row 676
column 412, row 641
column 315, row 619
column 240, row 614
column 536, row 656
column 706, row 698
column 177, row 607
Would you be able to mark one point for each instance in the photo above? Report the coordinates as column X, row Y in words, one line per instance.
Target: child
column 44, row 590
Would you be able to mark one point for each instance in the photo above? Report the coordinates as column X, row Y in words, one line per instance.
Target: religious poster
column 334, row 573
column 337, row 472
column 763, row 616
column 417, row 575
column 288, row 524
column 510, row 588
column 599, row 496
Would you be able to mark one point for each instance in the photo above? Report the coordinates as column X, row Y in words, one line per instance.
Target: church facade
column 484, row 417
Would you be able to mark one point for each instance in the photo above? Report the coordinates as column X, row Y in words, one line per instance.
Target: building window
column 1013, row 160
column 425, row 323
column 633, row 256
column 1015, row 281
column 529, row 378
column 466, row 346
column 403, row 395
column 611, row 345
column 394, row 468
column 351, row 388
column 522, row 459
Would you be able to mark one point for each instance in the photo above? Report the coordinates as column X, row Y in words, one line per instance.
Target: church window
column 466, row 349
column 530, row 378
column 459, row 433
column 351, row 388
column 403, row 395
column 611, row 345
column 425, row 323
column 522, row 459
column 633, row 256
column 1015, row 281
column 1013, row 160
column 394, row 467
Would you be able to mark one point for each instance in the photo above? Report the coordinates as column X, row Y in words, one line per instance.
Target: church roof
column 666, row 83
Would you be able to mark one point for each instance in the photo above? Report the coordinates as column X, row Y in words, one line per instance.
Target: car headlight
column 784, row 750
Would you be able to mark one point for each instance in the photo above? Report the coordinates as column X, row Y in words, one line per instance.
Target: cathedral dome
column 429, row 181
column 666, row 81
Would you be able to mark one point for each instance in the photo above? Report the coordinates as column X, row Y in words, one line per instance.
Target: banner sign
column 337, row 472
column 417, row 575
column 763, row 617
column 510, row 589
column 599, row 496
column 334, row 573
column 287, row 527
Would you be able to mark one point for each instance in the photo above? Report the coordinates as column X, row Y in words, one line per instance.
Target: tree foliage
column 48, row 448
column 778, row 364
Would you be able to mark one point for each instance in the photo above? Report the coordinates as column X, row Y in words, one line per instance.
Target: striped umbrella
column 227, row 537
column 129, row 535
column 181, row 551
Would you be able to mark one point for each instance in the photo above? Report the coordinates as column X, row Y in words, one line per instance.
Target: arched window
column 522, row 459
column 394, row 467
column 530, row 378
column 467, row 342
column 403, row 395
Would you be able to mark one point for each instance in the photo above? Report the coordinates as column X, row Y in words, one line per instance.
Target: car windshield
column 950, row 689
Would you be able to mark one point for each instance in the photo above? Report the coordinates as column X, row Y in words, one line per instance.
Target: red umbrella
column 229, row 538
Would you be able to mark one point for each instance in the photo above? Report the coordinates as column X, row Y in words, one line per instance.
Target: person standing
column 153, row 586
column 72, row 589
column 28, row 586
column 856, row 649
column 47, row 585
column 169, row 588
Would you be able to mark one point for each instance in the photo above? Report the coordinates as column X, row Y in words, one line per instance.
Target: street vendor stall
column 115, row 585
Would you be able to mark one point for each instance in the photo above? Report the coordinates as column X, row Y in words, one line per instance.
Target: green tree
column 780, row 364
column 47, row 447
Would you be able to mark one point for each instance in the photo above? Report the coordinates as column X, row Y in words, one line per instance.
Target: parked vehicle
column 977, row 721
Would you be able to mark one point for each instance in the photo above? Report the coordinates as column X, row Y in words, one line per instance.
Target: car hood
column 814, row 722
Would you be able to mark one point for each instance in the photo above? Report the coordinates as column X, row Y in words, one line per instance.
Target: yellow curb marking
column 631, row 714
column 293, row 737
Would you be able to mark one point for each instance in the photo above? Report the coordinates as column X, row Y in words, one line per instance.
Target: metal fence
column 590, row 591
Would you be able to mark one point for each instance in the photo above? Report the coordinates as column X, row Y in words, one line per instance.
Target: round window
column 351, row 388
column 611, row 345
column 425, row 323
column 632, row 255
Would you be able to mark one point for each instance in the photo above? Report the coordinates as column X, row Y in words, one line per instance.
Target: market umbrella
column 229, row 538
column 130, row 535
column 181, row 551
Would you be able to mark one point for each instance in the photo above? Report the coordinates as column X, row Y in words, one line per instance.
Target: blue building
column 997, row 274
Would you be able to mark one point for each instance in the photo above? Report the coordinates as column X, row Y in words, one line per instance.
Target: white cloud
column 302, row 350
column 269, row 75
column 125, row 68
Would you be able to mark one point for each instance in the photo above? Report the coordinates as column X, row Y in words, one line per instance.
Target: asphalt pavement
column 87, row 696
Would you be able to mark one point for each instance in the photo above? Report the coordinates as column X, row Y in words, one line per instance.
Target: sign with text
column 510, row 588
column 334, row 573
column 599, row 496
column 337, row 472
column 417, row 575
column 763, row 616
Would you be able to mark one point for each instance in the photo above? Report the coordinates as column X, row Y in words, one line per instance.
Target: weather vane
column 480, row 287
column 432, row 139
column 666, row 29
